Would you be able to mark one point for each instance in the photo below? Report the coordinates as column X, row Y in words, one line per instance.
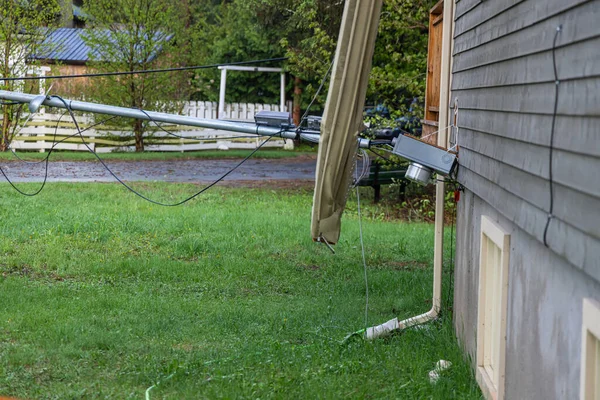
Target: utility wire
column 46, row 159
column 305, row 115
column 55, row 142
column 362, row 248
column 551, row 152
column 80, row 134
column 68, row 106
column 451, row 285
column 143, row 71
column 25, row 193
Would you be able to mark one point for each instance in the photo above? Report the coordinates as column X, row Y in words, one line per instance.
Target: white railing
column 235, row 111
column 39, row 133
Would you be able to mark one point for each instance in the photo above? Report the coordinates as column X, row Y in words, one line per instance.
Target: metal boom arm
column 288, row 132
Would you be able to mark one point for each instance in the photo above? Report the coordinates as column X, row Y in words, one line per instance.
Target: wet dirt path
column 192, row 171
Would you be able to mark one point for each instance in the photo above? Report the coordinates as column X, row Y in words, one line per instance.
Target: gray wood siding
column 503, row 80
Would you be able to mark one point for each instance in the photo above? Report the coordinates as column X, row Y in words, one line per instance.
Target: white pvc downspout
column 438, row 247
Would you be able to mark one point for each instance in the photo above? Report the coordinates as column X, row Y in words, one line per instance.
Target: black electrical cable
column 68, row 107
column 451, row 284
column 551, row 150
column 382, row 156
column 144, row 71
column 55, row 142
column 305, row 115
column 46, row 160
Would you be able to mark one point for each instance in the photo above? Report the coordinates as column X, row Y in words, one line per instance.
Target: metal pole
column 222, row 93
column 233, row 126
column 282, row 100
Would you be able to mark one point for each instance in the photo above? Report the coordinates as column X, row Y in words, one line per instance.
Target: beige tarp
column 343, row 117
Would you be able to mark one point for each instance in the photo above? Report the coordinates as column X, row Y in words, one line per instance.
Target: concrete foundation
column 544, row 315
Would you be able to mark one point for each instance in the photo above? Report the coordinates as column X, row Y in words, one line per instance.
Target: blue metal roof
column 66, row 45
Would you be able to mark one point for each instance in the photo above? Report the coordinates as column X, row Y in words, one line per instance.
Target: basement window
column 491, row 318
column 590, row 351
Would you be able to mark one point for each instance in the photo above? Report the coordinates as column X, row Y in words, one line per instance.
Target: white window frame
column 590, row 351
column 494, row 260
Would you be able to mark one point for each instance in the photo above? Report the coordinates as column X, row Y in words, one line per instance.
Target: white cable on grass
column 362, row 247
column 158, row 383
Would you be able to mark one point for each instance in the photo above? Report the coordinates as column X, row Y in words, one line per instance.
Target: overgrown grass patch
column 103, row 295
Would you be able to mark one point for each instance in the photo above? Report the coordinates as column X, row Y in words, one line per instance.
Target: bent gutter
column 438, row 248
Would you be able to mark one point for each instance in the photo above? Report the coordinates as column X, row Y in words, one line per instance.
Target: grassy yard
column 158, row 156
column 103, row 295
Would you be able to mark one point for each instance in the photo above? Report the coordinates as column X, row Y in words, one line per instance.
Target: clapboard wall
column 504, row 83
column 503, row 78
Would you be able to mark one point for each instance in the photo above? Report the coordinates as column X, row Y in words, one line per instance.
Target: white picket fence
column 234, row 111
column 44, row 131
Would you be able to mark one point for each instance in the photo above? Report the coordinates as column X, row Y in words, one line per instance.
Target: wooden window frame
column 492, row 308
column 590, row 351
column 431, row 115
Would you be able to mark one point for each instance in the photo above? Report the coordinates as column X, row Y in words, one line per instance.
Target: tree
column 306, row 31
column 230, row 32
column 131, row 35
column 23, row 28
column 309, row 30
column 400, row 60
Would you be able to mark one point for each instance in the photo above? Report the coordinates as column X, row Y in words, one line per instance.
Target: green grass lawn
column 158, row 156
column 103, row 295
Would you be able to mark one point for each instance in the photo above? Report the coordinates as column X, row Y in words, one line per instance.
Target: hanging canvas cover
column 343, row 117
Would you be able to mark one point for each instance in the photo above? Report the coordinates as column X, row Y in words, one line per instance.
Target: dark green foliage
column 230, row 32
column 306, row 31
column 400, row 60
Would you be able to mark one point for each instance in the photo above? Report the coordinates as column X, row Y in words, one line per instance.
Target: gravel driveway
column 206, row 170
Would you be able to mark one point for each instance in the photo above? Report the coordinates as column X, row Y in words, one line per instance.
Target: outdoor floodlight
column 425, row 158
column 277, row 119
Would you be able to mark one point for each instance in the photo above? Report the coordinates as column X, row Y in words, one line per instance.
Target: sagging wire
column 80, row 134
column 55, row 142
column 552, row 129
column 365, row 167
column 366, row 161
column 305, row 115
column 45, row 160
column 68, row 107
column 451, row 284
column 25, row 193
column 144, row 71
column 45, row 172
